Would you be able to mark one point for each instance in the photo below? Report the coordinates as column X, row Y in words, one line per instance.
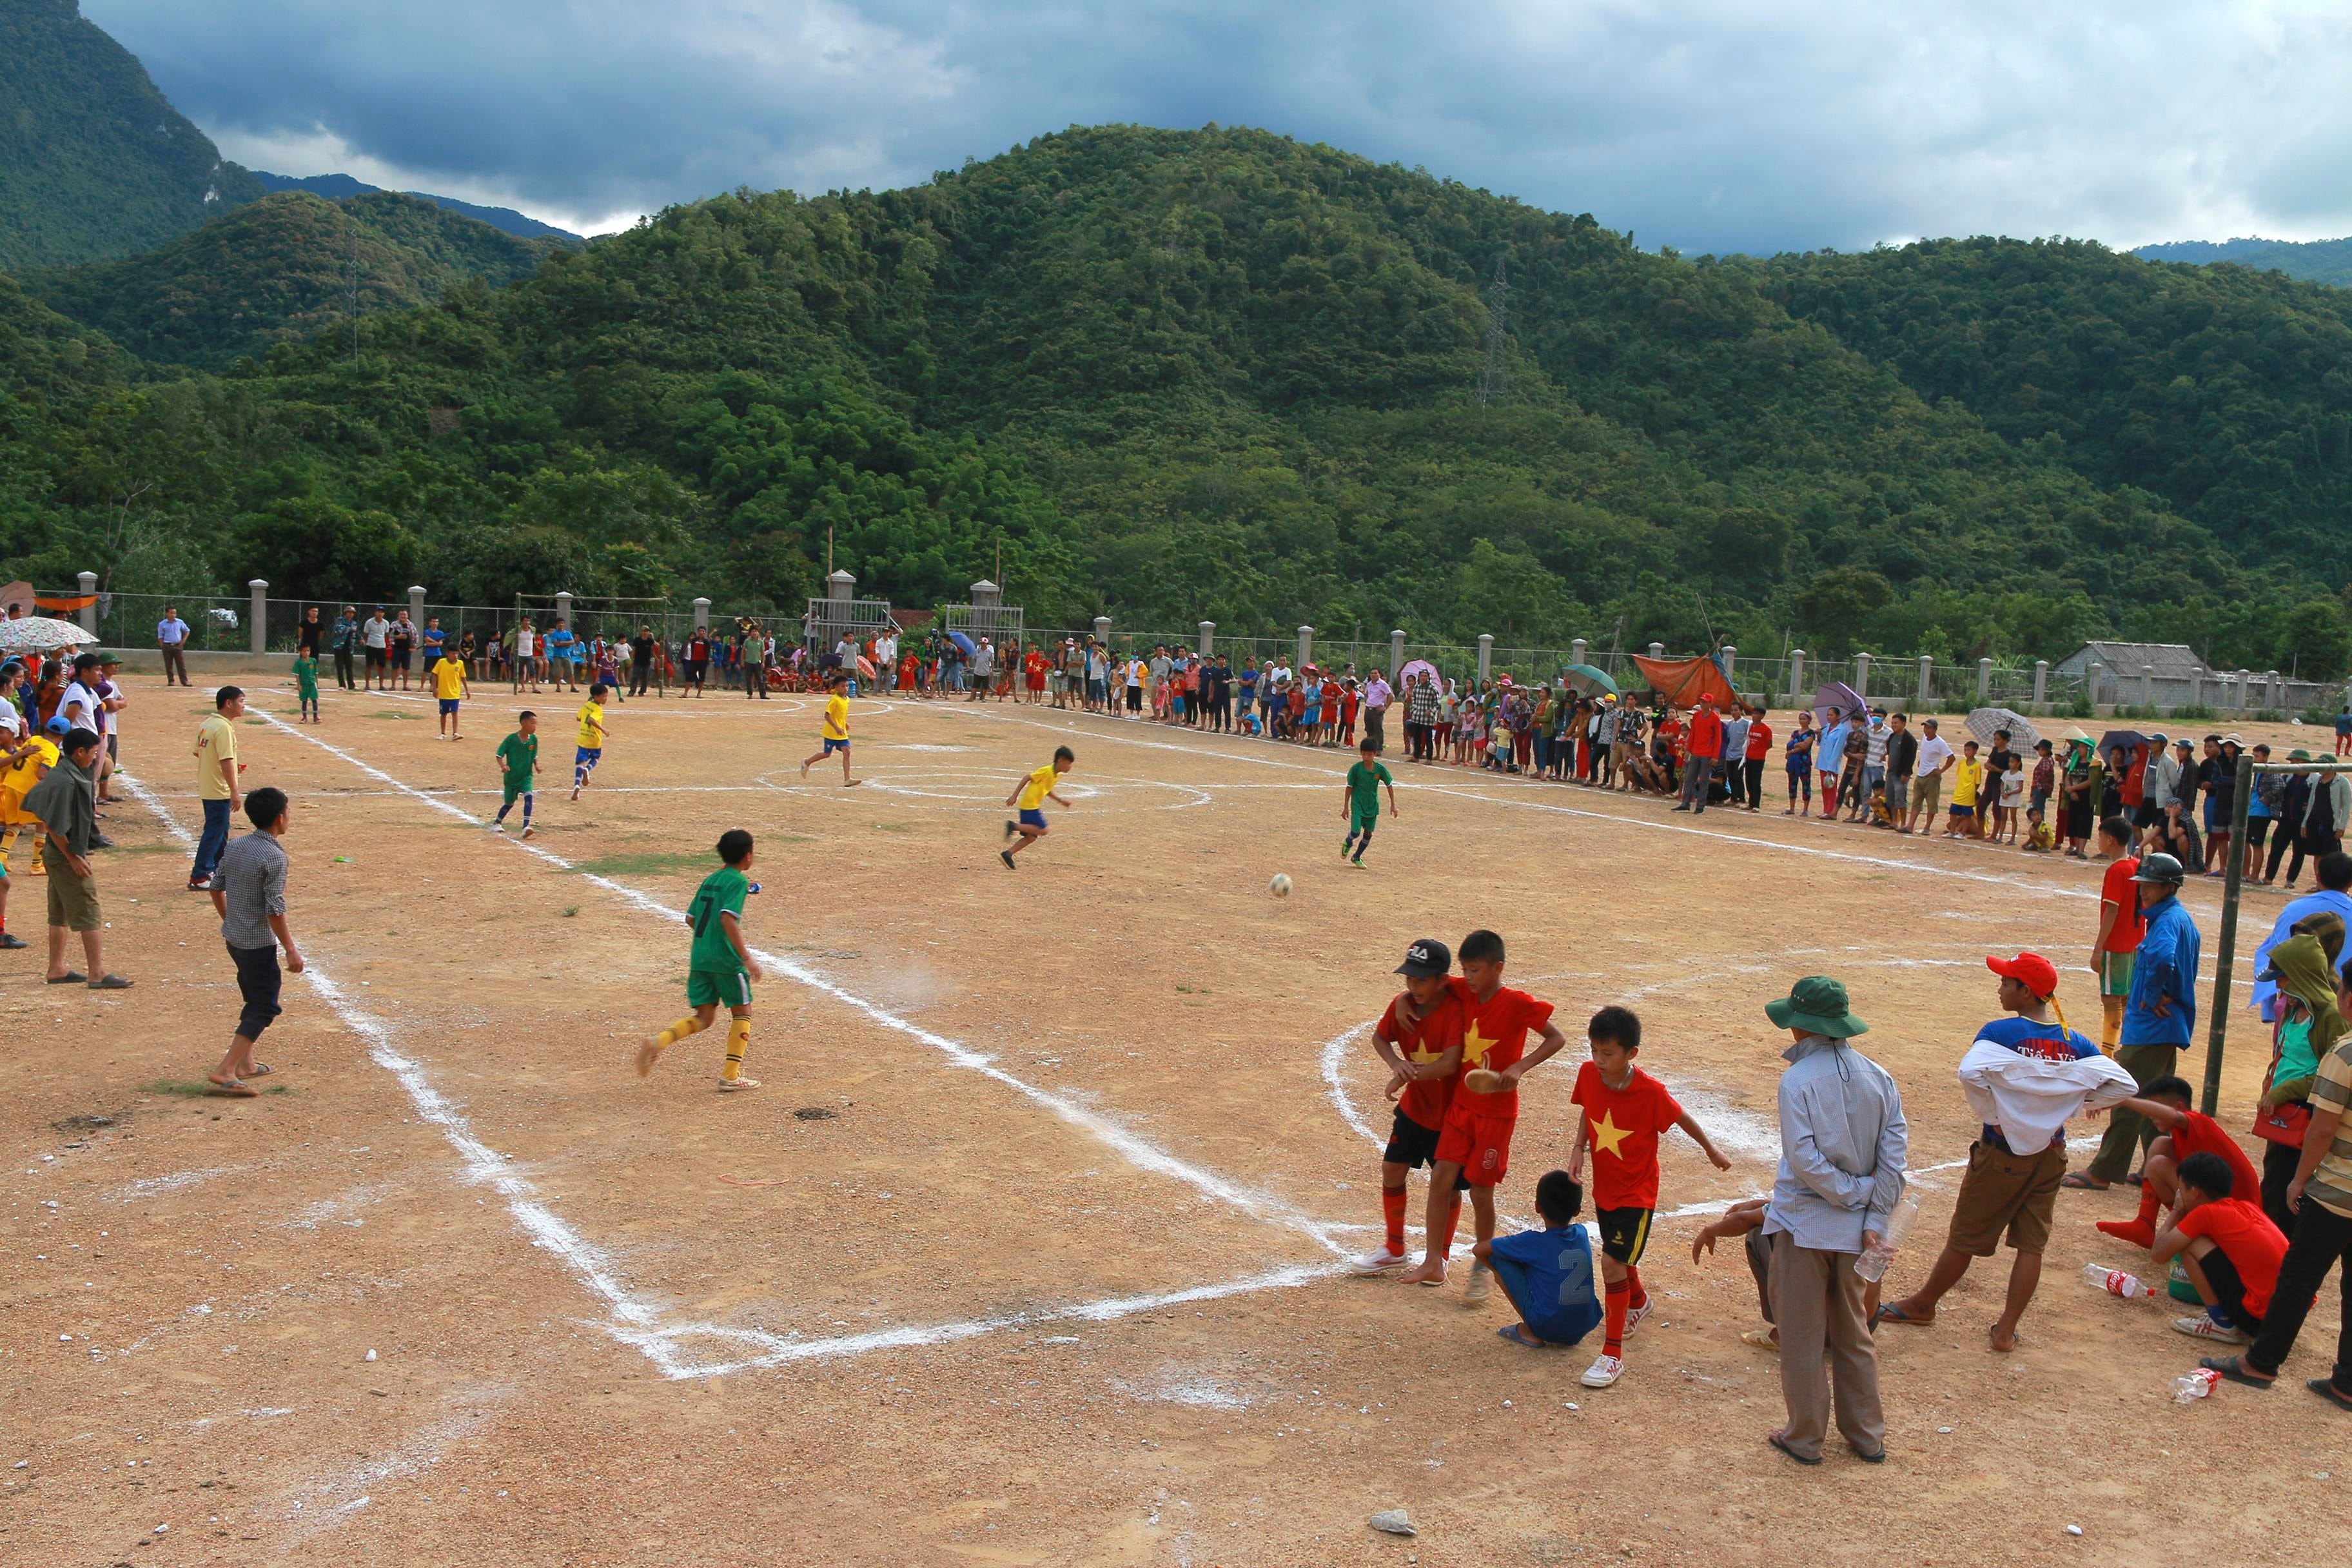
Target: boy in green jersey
column 1362, row 808
column 306, row 684
column 518, row 759
column 720, row 968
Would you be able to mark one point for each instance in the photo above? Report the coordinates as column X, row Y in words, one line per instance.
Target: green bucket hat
column 2298, row 756
column 1816, row 1004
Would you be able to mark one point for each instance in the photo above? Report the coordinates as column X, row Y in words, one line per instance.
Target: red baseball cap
column 2030, row 970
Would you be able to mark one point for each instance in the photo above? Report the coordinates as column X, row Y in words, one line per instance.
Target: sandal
column 231, row 1088
column 260, row 1069
column 1516, row 1337
column 109, row 982
column 2083, row 1184
column 1893, row 1312
column 2325, row 1388
column 1781, row 1443
column 1761, row 1338
column 70, row 977
column 2233, row 1367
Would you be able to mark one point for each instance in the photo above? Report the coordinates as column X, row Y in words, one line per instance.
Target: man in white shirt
column 171, row 636
column 374, row 634
column 1935, row 760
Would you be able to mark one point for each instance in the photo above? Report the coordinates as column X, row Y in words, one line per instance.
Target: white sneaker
column 2202, row 1327
column 738, row 1085
column 1634, row 1316
column 1603, row 1371
column 497, row 827
column 1379, row 1261
column 1479, row 1286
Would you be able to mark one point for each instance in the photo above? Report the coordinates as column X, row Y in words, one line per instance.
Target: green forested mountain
column 2313, row 261
column 336, row 187
column 93, row 163
column 278, row 270
column 1220, row 373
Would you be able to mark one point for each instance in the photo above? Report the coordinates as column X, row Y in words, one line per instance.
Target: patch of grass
column 649, row 863
column 186, row 1089
column 894, row 827
column 570, row 911
column 260, row 721
column 148, row 849
column 389, row 713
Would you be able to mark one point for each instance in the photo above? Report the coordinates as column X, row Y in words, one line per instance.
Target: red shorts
column 1481, row 1145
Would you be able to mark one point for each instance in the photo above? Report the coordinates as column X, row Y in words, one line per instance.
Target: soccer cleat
column 1006, row 855
column 737, row 1085
column 527, row 830
column 1011, row 828
column 1604, row 1371
column 497, row 827
column 1358, row 862
column 1379, row 1261
column 1478, row 1286
column 1634, row 1316
column 2203, row 1327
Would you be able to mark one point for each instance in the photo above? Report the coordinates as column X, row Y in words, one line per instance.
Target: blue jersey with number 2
column 1549, row 1273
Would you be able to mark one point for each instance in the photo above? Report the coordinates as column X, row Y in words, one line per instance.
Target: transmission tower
column 1499, row 319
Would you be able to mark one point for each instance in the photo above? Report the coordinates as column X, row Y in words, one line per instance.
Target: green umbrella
column 1590, row 682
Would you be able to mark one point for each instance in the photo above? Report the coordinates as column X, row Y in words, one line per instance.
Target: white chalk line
column 637, row 1325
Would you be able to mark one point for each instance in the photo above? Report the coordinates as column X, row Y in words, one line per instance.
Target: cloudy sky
column 1706, row 124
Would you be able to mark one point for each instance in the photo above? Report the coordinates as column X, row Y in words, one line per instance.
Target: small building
column 2161, row 675
column 2126, row 660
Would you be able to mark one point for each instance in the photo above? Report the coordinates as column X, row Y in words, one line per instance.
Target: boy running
column 1030, row 796
column 837, row 728
column 1420, row 1038
column 1361, row 804
column 1625, row 1109
column 518, row 759
column 1475, row 1141
column 720, row 968
column 591, row 738
column 449, row 684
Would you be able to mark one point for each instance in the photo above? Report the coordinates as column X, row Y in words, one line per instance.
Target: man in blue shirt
column 2335, row 875
column 2159, row 1015
column 171, row 636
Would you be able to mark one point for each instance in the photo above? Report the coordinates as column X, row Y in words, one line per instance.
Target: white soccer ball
column 1280, row 886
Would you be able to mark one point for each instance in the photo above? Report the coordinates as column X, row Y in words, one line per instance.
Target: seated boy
column 1548, row 1273
column 2181, row 1133
column 2038, row 834
column 2228, row 1248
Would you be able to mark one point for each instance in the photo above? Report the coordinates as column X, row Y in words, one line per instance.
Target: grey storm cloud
column 1708, row 124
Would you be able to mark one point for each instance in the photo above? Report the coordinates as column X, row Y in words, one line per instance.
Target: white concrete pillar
column 2271, row 686
column 1730, row 662
column 1208, row 638
column 1796, row 677
column 1861, row 676
column 87, row 586
column 1485, row 654
column 2196, row 688
column 257, row 619
column 1926, row 678
column 841, row 585
column 563, row 610
column 701, row 615
column 1396, row 653
column 1984, row 681
column 1306, row 645
column 1576, row 651
column 2041, row 682
column 1102, row 630
column 1657, row 650
column 415, row 606
column 2148, row 686
column 2093, row 674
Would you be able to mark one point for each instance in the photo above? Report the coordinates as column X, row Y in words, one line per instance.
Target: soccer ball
column 1280, row 886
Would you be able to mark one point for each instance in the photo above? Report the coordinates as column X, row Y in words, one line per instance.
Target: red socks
column 2139, row 1230
column 1636, row 1297
column 1453, row 1222
column 1613, row 1307
column 1393, row 1207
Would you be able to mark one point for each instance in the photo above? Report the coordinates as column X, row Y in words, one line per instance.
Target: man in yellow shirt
column 836, row 729
column 449, row 684
column 1035, row 788
column 1968, row 788
column 217, row 782
column 590, row 737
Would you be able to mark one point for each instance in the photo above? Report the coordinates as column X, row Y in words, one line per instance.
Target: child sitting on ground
column 2038, row 835
column 1548, row 1273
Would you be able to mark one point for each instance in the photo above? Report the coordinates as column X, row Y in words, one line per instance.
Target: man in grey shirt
column 248, row 889
column 1843, row 1150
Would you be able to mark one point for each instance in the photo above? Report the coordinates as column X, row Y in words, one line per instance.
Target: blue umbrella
column 962, row 642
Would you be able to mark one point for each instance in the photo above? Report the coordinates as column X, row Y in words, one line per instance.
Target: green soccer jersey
column 519, row 754
column 1364, row 787
column 306, row 677
column 723, row 890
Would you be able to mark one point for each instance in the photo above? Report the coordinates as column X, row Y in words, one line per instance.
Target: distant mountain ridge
column 2313, row 261
column 506, row 220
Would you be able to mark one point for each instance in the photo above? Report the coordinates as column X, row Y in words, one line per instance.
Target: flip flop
column 232, row 1089
column 1778, row 1442
column 2327, row 1390
column 2083, row 1184
column 70, row 977
column 1760, row 1338
column 109, row 982
column 260, row 1069
column 2234, row 1369
column 1513, row 1334
column 1889, row 1313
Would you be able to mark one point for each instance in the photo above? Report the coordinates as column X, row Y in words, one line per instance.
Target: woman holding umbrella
column 2082, row 792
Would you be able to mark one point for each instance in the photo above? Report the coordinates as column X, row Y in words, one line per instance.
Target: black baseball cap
column 1426, row 958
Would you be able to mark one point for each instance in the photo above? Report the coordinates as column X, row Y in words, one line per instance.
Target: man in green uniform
column 1362, row 809
column 720, row 968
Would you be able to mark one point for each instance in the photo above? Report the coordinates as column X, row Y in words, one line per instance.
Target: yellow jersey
column 1968, row 781
column 215, row 744
column 1038, row 786
column 592, row 725
column 837, row 718
column 449, row 679
column 25, row 773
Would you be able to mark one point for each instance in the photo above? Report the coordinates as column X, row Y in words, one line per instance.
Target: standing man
column 1705, row 747
column 846, row 651
column 1734, row 765
column 2159, row 1014
column 1902, row 757
column 2120, row 927
column 310, row 636
column 346, row 642
column 1934, row 761
column 65, row 802
column 1843, row 1146
column 216, row 786
column 375, row 633
column 171, row 636
column 2023, row 1076
column 250, row 893
column 641, row 660
column 1377, row 695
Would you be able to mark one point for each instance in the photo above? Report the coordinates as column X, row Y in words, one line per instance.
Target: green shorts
column 2116, row 973
column 718, row 988
column 514, row 792
column 1362, row 821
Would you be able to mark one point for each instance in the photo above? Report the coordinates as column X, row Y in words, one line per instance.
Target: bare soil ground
column 1054, row 1278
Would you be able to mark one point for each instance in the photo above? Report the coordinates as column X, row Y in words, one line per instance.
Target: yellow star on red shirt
column 1475, row 1046
column 1607, row 1135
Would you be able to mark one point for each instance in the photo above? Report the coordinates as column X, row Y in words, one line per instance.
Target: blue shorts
column 1031, row 818
column 587, row 756
column 831, row 746
column 448, row 705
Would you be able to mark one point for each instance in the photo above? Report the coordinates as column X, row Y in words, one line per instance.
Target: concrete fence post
column 1796, row 676
column 2041, row 682
column 1485, row 654
column 2270, row 685
column 86, row 585
column 1576, row 651
column 1102, row 631
column 1208, row 638
column 1657, row 650
column 2092, row 674
column 1306, row 645
column 1926, row 678
column 701, row 615
column 1730, row 662
column 563, row 609
column 416, row 607
column 1984, row 681
column 1396, row 652
column 259, row 618
column 1861, row 676
column 2148, row 686
column 2245, row 687
column 2196, row 688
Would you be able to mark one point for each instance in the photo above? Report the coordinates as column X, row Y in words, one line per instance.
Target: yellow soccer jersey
column 1034, row 788
column 592, row 725
column 23, row 774
column 837, row 718
column 449, row 679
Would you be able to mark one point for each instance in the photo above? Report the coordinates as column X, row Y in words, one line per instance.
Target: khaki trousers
column 1817, row 1305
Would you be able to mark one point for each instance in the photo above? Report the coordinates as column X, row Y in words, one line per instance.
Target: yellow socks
column 738, row 1040
column 689, row 1025
column 2111, row 1027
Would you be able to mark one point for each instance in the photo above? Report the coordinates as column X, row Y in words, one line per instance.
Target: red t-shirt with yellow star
column 1423, row 1039
column 1494, row 1035
column 1623, row 1126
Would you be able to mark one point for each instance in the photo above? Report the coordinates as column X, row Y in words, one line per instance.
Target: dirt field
column 1055, row 1279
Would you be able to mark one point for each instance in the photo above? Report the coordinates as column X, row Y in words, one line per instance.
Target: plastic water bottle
column 1871, row 1264
column 2199, row 1384
column 2115, row 1282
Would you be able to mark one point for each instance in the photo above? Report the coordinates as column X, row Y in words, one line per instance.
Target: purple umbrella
column 1834, row 700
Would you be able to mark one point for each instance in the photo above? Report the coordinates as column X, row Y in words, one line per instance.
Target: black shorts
column 1412, row 1145
column 375, row 659
column 258, row 981
column 1624, row 1233
column 400, row 658
column 2146, row 815
column 2229, row 1289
